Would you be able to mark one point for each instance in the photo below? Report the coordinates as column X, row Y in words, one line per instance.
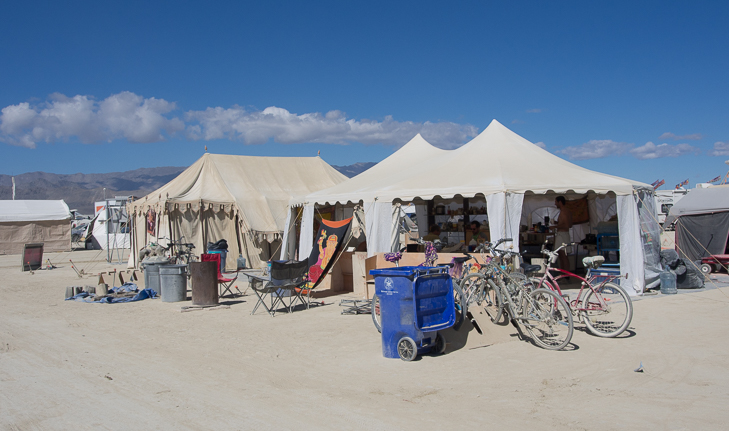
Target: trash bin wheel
column 407, row 349
column 706, row 268
column 375, row 310
column 440, row 344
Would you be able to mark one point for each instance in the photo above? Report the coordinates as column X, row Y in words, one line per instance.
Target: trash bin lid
column 405, row 271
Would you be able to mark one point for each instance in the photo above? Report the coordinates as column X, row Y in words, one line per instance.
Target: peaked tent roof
column 33, row 210
column 497, row 160
column 260, row 187
column 394, row 168
column 701, row 201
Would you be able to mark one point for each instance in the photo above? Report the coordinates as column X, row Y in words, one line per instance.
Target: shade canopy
column 33, row 210
column 496, row 161
column 701, row 201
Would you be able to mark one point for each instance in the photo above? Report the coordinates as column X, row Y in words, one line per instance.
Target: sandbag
column 691, row 278
column 688, row 276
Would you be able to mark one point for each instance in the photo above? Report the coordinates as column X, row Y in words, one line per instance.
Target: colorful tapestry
column 151, row 222
column 329, row 243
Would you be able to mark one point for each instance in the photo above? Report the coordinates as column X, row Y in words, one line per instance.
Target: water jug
column 241, row 262
column 668, row 282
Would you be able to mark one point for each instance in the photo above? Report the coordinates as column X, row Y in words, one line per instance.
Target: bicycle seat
column 461, row 259
column 593, row 261
column 530, row 268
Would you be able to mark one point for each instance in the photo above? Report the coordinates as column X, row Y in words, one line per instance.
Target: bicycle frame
column 552, row 282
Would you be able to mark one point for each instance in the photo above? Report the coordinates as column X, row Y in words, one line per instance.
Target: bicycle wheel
column 375, row 310
column 537, row 283
column 473, row 286
column 492, row 302
column 459, row 300
column 612, row 318
column 548, row 319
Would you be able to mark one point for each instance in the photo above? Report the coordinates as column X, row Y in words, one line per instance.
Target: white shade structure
column 498, row 165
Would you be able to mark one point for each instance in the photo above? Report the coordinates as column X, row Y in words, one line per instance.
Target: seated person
column 476, row 234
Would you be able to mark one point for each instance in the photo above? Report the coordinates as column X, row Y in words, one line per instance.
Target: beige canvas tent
column 34, row 221
column 242, row 199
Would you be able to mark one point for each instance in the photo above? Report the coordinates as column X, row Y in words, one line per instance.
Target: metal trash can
column 151, row 267
column 173, row 283
column 204, row 276
column 415, row 303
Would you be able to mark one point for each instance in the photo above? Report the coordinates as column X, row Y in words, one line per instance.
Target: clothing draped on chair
column 224, row 283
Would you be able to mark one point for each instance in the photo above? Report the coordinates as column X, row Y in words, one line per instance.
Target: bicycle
column 605, row 308
column 473, row 282
column 545, row 315
column 431, row 256
column 182, row 252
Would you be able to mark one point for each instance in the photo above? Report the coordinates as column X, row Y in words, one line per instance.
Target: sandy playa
column 144, row 365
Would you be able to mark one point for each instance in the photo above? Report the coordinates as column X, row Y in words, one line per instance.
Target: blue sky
column 635, row 89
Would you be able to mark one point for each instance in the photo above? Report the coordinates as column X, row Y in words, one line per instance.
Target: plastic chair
column 224, row 282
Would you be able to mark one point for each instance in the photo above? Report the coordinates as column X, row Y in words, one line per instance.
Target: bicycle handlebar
column 555, row 251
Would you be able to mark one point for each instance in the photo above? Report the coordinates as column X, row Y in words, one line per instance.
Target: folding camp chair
column 304, row 295
column 224, row 283
column 285, row 278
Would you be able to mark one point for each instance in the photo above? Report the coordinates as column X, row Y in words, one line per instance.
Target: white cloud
column 541, row 145
column 596, row 149
column 137, row 119
column 653, row 151
column 692, row 137
column 533, row 111
column 120, row 116
column 720, row 149
column 280, row 125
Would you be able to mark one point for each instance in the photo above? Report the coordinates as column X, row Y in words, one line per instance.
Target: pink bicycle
column 604, row 306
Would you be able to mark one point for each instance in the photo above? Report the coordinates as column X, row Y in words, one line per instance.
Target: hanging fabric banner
column 151, row 221
column 330, row 241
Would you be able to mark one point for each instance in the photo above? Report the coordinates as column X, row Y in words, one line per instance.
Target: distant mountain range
column 80, row 191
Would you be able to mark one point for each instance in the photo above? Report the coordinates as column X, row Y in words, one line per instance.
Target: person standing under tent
column 563, row 225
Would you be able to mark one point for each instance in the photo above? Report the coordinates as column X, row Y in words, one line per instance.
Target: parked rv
column 665, row 199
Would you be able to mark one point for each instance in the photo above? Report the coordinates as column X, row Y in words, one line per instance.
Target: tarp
column 701, row 235
column 33, row 210
column 702, row 222
column 243, row 199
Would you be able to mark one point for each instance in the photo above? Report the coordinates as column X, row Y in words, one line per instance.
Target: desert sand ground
column 145, row 365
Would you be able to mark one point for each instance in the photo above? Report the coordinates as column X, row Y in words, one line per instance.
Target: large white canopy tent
column 34, row 221
column 242, row 199
column 512, row 174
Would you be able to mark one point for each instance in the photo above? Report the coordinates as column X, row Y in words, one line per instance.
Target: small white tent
column 242, row 199
column 502, row 167
column 33, row 221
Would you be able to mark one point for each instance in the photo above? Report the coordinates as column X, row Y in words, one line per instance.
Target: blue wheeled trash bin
column 415, row 303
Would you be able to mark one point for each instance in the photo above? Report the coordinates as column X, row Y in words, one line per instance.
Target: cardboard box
column 408, row 259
